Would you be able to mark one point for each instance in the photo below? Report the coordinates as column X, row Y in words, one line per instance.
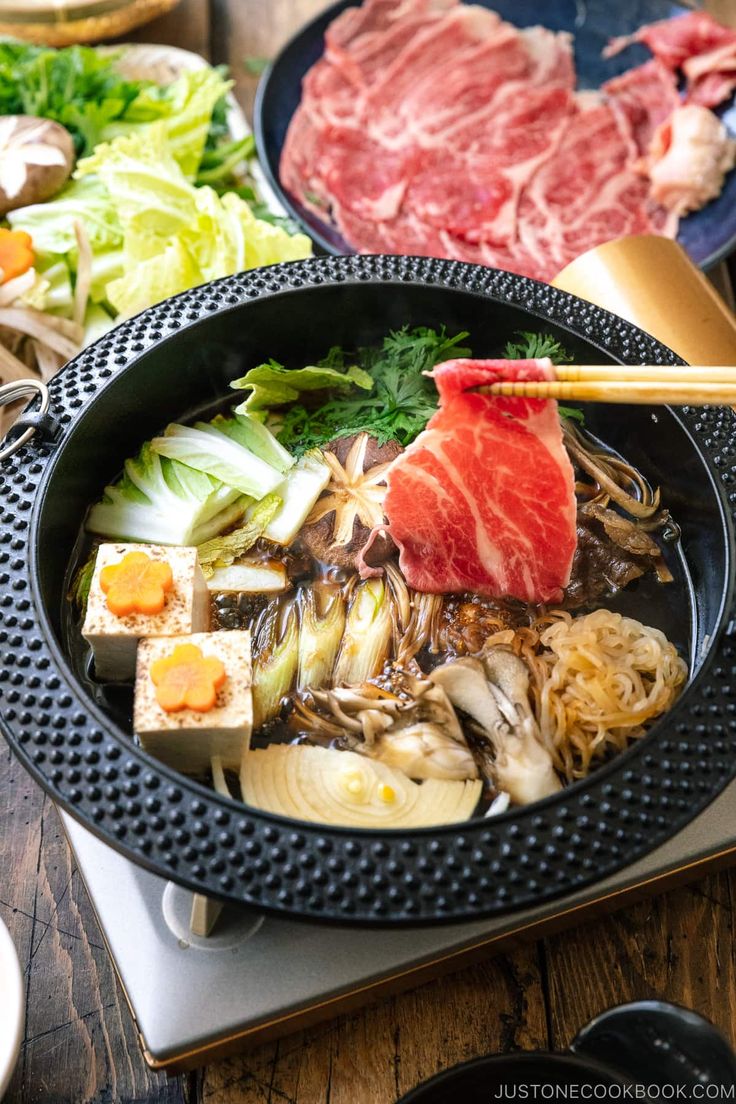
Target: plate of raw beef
column 511, row 133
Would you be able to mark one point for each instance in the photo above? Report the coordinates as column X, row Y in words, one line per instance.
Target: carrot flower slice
column 138, row 584
column 187, row 680
column 16, row 254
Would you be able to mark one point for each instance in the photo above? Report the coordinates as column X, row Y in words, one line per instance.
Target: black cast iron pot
column 180, row 356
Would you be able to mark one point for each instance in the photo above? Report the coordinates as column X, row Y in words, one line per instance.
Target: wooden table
column 80, row 1044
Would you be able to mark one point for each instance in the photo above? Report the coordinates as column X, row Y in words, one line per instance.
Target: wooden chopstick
column 658, row 373
column 679, row 385
column 614, row 391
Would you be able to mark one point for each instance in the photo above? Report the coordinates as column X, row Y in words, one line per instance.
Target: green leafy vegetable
column 271, row 384
column 80, row 88
column 534, row 346
column 537, row 345
column 218, row 165
column 77, row 87
column 160, row 501
column 398, row 405
column 223, row 551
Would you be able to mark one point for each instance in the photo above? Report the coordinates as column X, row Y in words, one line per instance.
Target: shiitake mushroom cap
column 42, row 180
column 317, row 536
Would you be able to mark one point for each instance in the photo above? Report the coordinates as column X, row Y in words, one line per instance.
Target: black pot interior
column 191, row 370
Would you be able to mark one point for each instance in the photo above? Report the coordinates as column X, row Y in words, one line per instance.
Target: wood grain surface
column 80, row 1043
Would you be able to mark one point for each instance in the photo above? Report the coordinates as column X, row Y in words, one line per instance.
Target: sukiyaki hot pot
column 295, row 616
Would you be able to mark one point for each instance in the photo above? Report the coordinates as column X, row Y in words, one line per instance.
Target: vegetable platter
column 127, row 178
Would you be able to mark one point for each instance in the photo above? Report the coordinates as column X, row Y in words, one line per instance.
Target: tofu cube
column 113, row 639
column 249, row 578
column 187, row 740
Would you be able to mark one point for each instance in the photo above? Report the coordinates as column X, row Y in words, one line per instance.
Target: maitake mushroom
column 410, row 722
column 416, row 731
column 36, row 160
column 494, row 692
column 352, row 504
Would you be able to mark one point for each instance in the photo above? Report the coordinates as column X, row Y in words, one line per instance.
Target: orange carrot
column 138, row 584
column 187, row 680
column 16, row 254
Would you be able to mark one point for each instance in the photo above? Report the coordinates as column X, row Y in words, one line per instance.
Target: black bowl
column 179, row 356
column 640, row 1050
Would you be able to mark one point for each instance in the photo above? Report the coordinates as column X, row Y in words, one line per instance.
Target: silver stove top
column 259, row 976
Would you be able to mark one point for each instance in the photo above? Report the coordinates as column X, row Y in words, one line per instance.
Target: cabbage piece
column 207, row 450
column 271, row 384
column 185, row 109
column 344, row 788
column 168, row 273
column 184, row 235
column 221, row 552
column 159, row 501
column 51, row 289
column 145, row 186
column 51, row 224
column 300, row 490
column 254, row 435
column 97, row 322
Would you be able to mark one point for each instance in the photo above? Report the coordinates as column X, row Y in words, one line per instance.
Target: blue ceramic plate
column 707, row 235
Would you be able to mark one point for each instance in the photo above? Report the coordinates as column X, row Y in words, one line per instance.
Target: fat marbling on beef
column 484, row 498
column 433, row 127
column 703, row 49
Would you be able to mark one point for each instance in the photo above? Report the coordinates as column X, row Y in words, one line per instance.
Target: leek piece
column 249, row 578
column 367, row 638
column 299, row 491
column 320, row 635
column 344, row 788
column 276, row 660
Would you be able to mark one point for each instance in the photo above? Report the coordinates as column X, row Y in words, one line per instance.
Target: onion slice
column 343, row 788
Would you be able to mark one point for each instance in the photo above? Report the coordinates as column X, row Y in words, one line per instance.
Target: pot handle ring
column 30, row 422
column 656, row 1043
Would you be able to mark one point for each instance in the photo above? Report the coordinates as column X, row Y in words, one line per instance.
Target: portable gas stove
column 256, row 977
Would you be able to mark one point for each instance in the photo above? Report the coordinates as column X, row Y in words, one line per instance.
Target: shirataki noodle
column 597, row 681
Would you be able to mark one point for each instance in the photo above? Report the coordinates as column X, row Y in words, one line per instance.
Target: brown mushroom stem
column 602, row 469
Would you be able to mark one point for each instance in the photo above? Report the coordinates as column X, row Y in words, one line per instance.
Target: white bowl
column 12, row 1005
